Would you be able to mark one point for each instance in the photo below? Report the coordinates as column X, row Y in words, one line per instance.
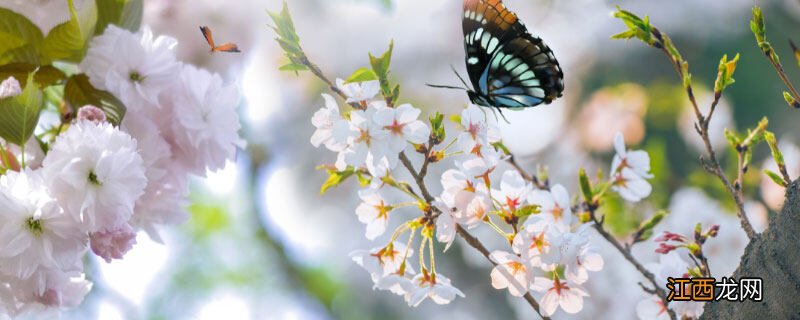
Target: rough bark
column 773, row 256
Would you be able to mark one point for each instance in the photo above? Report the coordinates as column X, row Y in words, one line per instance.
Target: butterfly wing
column 228, row 47
column 509, row 68
column 483, row 25
column 207, row 34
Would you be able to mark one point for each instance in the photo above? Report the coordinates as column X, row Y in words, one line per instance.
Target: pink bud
column 713, row 231
column 664, row 248
column 9, row 88
column 91, row 113
column 669, row 236
column 113, row 244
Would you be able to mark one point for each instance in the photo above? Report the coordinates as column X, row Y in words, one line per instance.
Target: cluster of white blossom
column 550, row 255
column 98, row 184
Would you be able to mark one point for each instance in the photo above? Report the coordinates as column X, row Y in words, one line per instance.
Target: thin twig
column 712, row 165
column 782, row 74
column 527, row 176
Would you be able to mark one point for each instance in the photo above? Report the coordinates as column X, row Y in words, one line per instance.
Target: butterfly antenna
column 459, row 76
column 444, row 87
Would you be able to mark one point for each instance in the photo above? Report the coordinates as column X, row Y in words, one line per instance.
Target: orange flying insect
column 227, row 47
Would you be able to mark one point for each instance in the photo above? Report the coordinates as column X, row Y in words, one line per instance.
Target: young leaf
column 335, row 178
column 381, row 67
column 586, row 186
column 45, row 75
column 67, row 41
column 20, row 39
column 725, row 73
column 438, row 133
column 361, row 75
column 78, row 92
column 20, row 114
column 775, row 178
column 124, row 13
column 790, row 100
column 287, row 37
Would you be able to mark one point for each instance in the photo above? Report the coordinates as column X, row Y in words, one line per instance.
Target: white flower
column 206, row 127
column 554, row 206
column 630, row 186
column 537, row 238
column 513, row 191
column 445, row 224
column 403, row 126
column 50, row 290
column 467, row 196
column 399, row 284
column 374, row 212
column 434, row 286
column 9, row 88
column 332, row 130
column 672, row 265
column 569, row 296
column 481, row 162
column 96, row 174
column 133, row 66
column 383, row 261
column 572, row 251
column 638, row 160
column 477, row 129
column 510, row 272
column 163, row 202
column 359, row 91
column 651, row 308
column 34, row 231
column 33, row 154
column 369, row 141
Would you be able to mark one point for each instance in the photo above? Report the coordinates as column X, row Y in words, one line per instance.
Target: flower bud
column 91, row 113
column 664, row 248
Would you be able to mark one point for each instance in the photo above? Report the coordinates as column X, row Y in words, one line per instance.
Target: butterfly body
column 227, row 47
column 508, row 67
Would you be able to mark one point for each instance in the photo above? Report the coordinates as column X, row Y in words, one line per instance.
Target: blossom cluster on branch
column 133, row 124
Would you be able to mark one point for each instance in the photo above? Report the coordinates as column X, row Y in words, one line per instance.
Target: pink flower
column 91, row 113
column 114, row 243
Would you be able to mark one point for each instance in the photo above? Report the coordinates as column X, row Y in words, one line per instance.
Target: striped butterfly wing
column 508, row 67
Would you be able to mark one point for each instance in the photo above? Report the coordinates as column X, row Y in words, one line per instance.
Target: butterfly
column 227, row 47
column 508, row 67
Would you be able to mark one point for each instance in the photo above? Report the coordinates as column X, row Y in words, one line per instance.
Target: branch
column 471, row 240
column 712, row 165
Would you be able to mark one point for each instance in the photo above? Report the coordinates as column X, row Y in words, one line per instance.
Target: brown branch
column 527, row 176
column 782, row 74
column 471, row 240
column 712, row 165
column 626, row 253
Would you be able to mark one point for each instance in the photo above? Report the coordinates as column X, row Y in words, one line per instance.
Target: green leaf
column 335, row 178
column 126, row 14
column 287, row 36
column 68, row 41
column 586, row 186
column 725, row 73
column 20, row 39
column 20, row 114
column 647, row 226
column 381, row 67
column 293, row 67
column 790, row 100
column 45, row 76
column 78, row 92
column 438, row 133
column 775, row 178
column 361, row 75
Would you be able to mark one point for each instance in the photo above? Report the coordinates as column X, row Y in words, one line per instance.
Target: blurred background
column 262, row 242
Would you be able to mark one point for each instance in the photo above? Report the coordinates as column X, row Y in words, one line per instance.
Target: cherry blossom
column 434, row 286
column 513, row 191
column 374, row 212
column 383, row 261
column 9, row 87
column 402, row 125
column 510, row 272
column 554, row 206
column 332, row 130
column 557, row 293
column 358, row 91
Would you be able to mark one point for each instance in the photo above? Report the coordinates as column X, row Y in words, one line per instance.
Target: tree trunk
column 773, row 256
